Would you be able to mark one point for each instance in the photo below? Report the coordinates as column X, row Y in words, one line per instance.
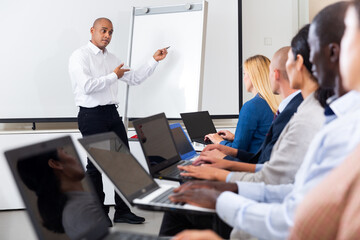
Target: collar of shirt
column 331, row 99
column 95, row 49
column 346, row 103
column 286, row 101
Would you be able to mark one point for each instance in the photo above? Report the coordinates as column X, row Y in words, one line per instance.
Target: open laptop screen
column 58, row 196
column 157, row 142
column 198, row 124
column 183, row 144
column 112, row 157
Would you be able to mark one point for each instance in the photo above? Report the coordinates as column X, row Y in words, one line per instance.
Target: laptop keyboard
column 164, row 198
column 202, row 141
column 174, row 171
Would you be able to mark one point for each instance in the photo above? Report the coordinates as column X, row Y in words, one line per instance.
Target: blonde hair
column 257, row 68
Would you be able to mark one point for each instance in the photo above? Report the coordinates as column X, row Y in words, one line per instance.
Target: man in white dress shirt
column 94, row 73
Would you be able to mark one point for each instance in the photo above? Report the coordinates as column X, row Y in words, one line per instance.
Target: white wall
column 303, row 12
column 274, row 21
column 316, row 6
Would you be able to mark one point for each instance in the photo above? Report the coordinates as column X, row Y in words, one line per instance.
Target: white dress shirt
column 93, row 81
column 267, row 211
column 286, row 101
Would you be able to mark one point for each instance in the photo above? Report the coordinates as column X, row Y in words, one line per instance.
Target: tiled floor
column 15, row 225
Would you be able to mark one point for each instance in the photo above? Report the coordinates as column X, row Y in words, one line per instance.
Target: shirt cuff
column 252, row 190
column 228, row 157
column 228, row 177
column 112, row 77
column 152, row 62
column 258, row 167
column 228, row 212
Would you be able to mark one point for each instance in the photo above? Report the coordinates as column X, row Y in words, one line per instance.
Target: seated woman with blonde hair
column 257, row 114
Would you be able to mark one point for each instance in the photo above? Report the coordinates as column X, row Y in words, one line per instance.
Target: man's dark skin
column 324, row 55
column 325, row 67
column 202, row 193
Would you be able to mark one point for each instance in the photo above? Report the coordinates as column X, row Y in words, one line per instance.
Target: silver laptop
column 58, row 196
column 183, row 143
column 112, row 157
column 157, row 143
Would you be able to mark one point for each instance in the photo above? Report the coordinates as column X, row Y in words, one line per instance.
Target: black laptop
column 198, row 124
column 112, row 157
column 60, row 213
column 159, row 148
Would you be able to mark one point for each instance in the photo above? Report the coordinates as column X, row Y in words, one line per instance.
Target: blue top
column 254, row 122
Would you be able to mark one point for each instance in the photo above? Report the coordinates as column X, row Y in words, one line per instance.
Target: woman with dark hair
column 299, row 46
column 39, row 177
column 56, row 177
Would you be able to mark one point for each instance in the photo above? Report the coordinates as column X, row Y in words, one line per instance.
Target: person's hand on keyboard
column 213, row 138
column 200, row 197
column 204, row 172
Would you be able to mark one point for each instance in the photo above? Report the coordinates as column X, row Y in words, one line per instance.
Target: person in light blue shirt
column 257, row 114
column 267, row 211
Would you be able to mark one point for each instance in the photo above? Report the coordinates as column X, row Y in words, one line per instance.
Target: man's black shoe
column 128, row 218
column 110, row 224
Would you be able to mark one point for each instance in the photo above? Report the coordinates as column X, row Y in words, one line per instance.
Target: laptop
column 112, row 157
column 159, row 147
column 198, row 125
column 183, row 143
column 55, row 214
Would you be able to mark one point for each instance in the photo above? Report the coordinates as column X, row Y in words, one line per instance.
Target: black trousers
column 99, row 120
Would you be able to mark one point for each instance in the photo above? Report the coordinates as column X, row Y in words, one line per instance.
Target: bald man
column 291, row 100
column 278, row 76
column 94, row 74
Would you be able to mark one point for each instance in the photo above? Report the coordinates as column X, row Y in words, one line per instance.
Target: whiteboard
column 176, row 85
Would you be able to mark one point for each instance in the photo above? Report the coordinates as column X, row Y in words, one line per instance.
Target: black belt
column 102, row 107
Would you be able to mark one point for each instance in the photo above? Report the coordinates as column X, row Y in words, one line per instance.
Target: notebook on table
column 60, row 213
column 112, row 157
column 183, row 143
column 157, row 143
column 198, row 125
